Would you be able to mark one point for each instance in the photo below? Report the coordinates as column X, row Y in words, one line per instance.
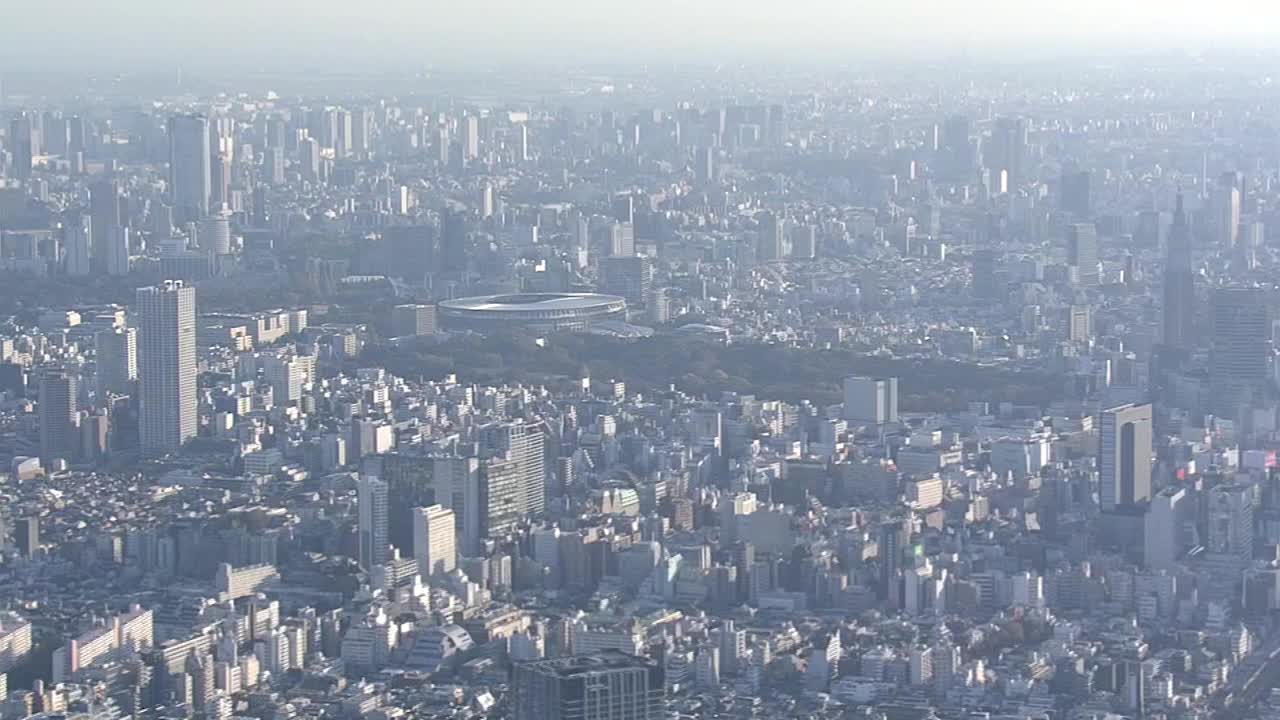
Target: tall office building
column 104, row 217
column 434, row 540
column 454, row 241
column 986, row 280
column 310, row 160
column 77, row 243
column 611, row 685
column 1082, row 252
column 630, row 277
column 457, row 485
column 889, row 544
column 1007, row 150
column 1170, row 511
column 1074, row 192
column 1124, row 462
column 484, row 203
column 1240, row 348
column 1226, row 211
column 287, row 375
column 273, row 165
column 190, row 173
column 804, row 242
column 704, row 165
column 413, row 320
column 23, row 146
column 501, row 497
column 343, row 128
column 580, row 232
column 166, row 366
column 219, row 181
column 116, row 358
column 59, row 431
column 1230, row 522
column 26, row 535
column 75, row 134
column 1179, row 292
column 622, row 239
column 956, row 152
column 115, row 249
column 1079, row 323
column 871, row 401
column 215, row 233
column 770, row 243
column 470, row 137
column 411, row 482
column 443, row 146
column 372, row 509
column 322, row 125
column 624, row 208
column 520, row 140
column 1134, row 687
column 735, row 511
column 361, row 130
column 1252, row 236
column 525, row 443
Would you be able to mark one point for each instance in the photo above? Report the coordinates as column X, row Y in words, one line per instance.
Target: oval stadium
column 572, row 312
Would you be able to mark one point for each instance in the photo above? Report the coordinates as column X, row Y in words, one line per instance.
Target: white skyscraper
column 434, row 540
column 375, row 548
column 470, row 137
column 1226, row 211
column 190, row 178
column 166, row 366
column 871, row 401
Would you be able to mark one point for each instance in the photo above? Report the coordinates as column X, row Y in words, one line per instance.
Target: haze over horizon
column 287, row 33
column 639, row 359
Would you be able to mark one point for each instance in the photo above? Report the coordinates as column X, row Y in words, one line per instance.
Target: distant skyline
column 286, row 34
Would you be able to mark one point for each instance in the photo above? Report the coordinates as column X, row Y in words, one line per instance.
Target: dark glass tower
column 1179, row 286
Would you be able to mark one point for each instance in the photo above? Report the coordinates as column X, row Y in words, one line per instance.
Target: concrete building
column 59, row 426
column 871, row 401
column 1124, row 458
column 116, row 358
column 234, row 583
column 375, row 548
column 1164, row 530
column 167, row 366
column 434, row 540
column 190, row 177
column 15, row 640
column 414, row 320
column 610, row 685
column 1230, row 521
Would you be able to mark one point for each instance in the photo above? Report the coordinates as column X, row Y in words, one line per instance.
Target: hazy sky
column 379, row 31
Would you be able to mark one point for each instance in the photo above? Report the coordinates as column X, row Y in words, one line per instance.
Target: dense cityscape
column 591, row 394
